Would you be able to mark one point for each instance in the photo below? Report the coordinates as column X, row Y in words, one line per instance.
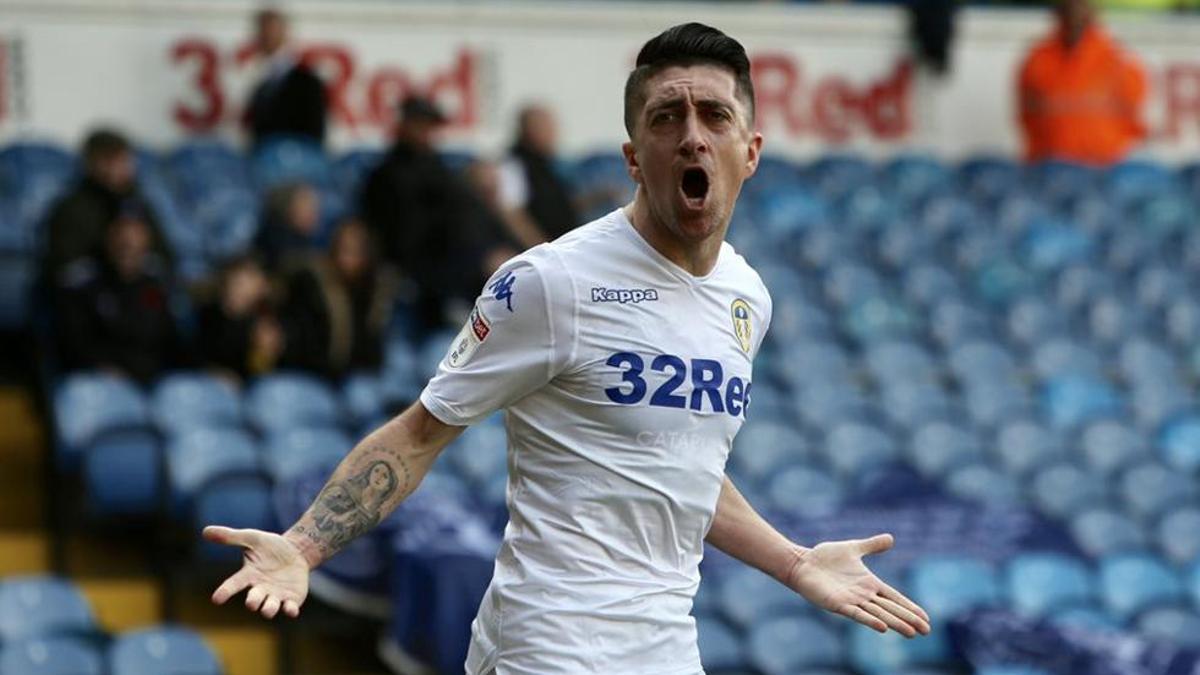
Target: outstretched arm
column 383, row 469
column 830, row 575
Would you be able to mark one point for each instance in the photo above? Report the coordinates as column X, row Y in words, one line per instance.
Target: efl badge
column 468, row 339
column 740, row 311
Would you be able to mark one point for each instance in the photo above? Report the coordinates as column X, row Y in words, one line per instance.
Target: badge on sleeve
column 740, row 311
column 468, row 339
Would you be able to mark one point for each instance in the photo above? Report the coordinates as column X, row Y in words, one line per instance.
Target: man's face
column 692, row 149
column 271, row 32
column 541, row 131
column 115, row 172
column 1074, row 15
column 128, row 246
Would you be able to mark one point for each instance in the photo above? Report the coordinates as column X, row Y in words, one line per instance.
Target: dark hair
column 103, row 144
column 688, row 44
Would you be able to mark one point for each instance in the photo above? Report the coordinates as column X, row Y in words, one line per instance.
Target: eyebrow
column 677, row 101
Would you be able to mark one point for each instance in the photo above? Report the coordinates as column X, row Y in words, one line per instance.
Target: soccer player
column 621, row 353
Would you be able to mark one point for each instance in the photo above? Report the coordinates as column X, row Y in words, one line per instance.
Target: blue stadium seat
column 946, row 216
column 983, row 484
column 1059, row 180
column 1177, row 625
column 903, row 247
column 901, row 360
column 910, row 404
column 32, row 175
column 953, row 322
column 806, row 492
column 853, row 447
column 42, row 606
column 89, row 404
column 850, row 283
column 1102, row 531
column 283, row 160
column 363, row 397
column 1114, row 318
column 1179, row 443
column 912, row 177
column 987, row 179
column 1063, row 356
column 1178, row 534
column 432, row 350
column 183, row 401
column 784, row 214
column 824, row 247
column 816, row 363
column 1070, row 400
column 1087, row 617
column 1193, row 582
column 1000, row 281
column 980, row 362
column 51, row 655
column 1033, row 321
column 162, row 650
column 228, row 220
column 795, row 319
column 785, row 644
column 1041, row 582
column 1124, row 251
column 1051, row 244
column 823, row 408
column 1078, row 285
column 122, row 473
column 481, row 453
column 16, row 285
column 720, row 647
column 940, row 446
column 1143, row 360
column 834, row 175
column 747, row 595
column 288, row 400
column 1159, row 284
column 1109, row 445
column 198, row 455
column 866, row 209
column 991, row 404
column 763, row 447
column 880, row 318
column 873, row 653
column 401, row 381
column 203, row 166
column 289, row 453
column 1003, row 669
column 977, row 249
column 1131, row 582
column 1149, row 488
column 1023, row 445
column 352, row 168
column 1062, row 489
column 1164, row 215
column 1132, row 181
column 946, row 586
column 926, row 284
column 237, row 500
column 1156, row 402
column 1183, row 321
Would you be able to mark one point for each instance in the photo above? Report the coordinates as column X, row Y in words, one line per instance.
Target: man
column 76, row 223
column 534, row 198
column 425, row 217
column 290, row 98
column 640, row 325
column 1080, row 93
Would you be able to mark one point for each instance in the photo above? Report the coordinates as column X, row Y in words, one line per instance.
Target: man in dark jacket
column 530, row 185
column 76, row 223
column 289, row 99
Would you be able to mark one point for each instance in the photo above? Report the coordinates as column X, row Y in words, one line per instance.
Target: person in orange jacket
column 1080, row 93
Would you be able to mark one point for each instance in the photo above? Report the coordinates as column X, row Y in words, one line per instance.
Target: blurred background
column 234, row 238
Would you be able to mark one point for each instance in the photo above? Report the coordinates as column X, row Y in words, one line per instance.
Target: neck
column 698, row 258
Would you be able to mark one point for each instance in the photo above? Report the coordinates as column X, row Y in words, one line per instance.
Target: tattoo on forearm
column 348, row 507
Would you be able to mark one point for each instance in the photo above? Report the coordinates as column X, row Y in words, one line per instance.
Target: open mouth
column 695, row 186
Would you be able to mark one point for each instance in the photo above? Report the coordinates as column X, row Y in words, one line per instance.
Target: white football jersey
column 624, row 379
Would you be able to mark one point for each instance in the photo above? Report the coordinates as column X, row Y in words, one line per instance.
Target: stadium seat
column 987, row 179
column 1156, row 402
column 1063, row 356
column 805, row 491
column 282, row 160
column 480, row 453
column 431, row 352
column 747, row 595
column 852, row 447
column 42, row 606
column 795, row 319
column 51, row 655
column 1087, row 617
column 1144, row 361
column 866, row 209
column 1041, row 582
column 1062, row 489
column 1177, row 625
column 1057, row 180
column 834, row 175
column 823, row 247
column 783, row 645
column 283, row 401
column 89, row 404
column 1159, row 284
column 1130, row 181
column 1068, row 401
column 902, row 247
column 954, row 322
column 1193, row 582
column 1131, row 582
column 720, row 647
column 289, row 453
column 162, row 650
column 1023, row 445
column 900, row 361
column 762, row 448
column 926, row 284
column 198, row 455
column 1033, row 321
column 980, row 362
column 183, row 401
column 1179, row 443
column 873, row 653
column 992, row 404
column 352, row 168
column 1149, row 488
column 822, row 408
column 1178, row 534
column 938, row 447
column 1125, row 250
column 122, row 474
column 816, row 363
column 946, row 216
column 1100, row 531
column 880, row 318
column 849, row 283
column 228, row 220
column 911, row 404
column 236, row 500
column 1078, row 284
column 1115, row 318
column 983, row 484
column 946, row 586
column 912, row 177
column 1004, row 669
column 362, row 396
column 1109, row 445
column 785, row 214
column 16, row 284
column 1051, row 244
column 400, row 380
column 1183, row 321
column 202, row 166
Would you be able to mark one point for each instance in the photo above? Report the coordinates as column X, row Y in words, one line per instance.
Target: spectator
column 289, row 98
column 113, row 311
column 1080, row 93
column 289, row 228
column 239, row 329
column 76, row 223
column 338, row 307
column 531, row 189
column 426, row 219
column 483, row 177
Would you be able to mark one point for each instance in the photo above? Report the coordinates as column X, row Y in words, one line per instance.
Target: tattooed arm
column 383, row 469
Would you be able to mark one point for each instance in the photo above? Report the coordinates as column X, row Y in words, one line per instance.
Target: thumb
column 877, row 544
column 220, row 534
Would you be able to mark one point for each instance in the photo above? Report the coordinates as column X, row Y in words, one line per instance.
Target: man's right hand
column 272, row 568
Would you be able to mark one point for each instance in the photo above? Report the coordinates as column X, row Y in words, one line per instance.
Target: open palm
column 272, row 568
column 832, row 576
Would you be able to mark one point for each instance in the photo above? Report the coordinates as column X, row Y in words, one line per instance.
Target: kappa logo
column 740, row 312
column 623, row 295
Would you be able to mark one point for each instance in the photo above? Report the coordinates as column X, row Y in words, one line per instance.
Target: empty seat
column 980, row 362
column 1183, row 321
column 1143, row 361
column 888, row 653
column 816, row 363
column 481, row 452
column 992, row 404
column 1033, row 321
column 900, row 361
column 926, row 284
column 852, row 447
column 1070, row 400
column 200, row 454
column 1078, row 284
column 866, row 208
column 805, row 491
column 287, row 400
column 849, row 283
column 1132, row 180
column 1131, row 582
column 822, row 407
column 291, row 160
column 747, row 595
column 784, row 213
column 1179, row 443
column 911, row 177
column 205, row 165
column 1114, row 318
column 88, row 404
column 762, row 448
column 1177, row 625
column 911, row 404
column 946, row 586
column 1062, row 356
column 1155, row 402
column 353, row 166
column 1087, row 617
column 162, row 650
column 937, row 447
column 879, row 318
column 51, row 655
column 989, row 178
column 1102, row 530
column 1149, row 488
column 1158, row 285
column 835, row 175
column 1051, row 244
column 953, row 322
column 234, row 500
column 720, row 647
column 1041, row 582
column 783, row 645
column 1001, row 280
column 363, row 397
column 1022, row 445
column 288, row 454
column 182, row 401
column 122, row 474
column 1062, row 489
column 984, row 484
column 1108, row 445
column 41, row 606
column 1178, row 534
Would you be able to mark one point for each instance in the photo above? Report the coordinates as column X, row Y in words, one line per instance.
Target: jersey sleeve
column 519, row 335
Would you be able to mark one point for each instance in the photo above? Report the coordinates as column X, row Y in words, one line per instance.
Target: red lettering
column 776, row 84
column 886, row 106
column 834, row 104
column 1182, row 85
column 207, row 83
column 3, row 80
column 387, row 87
column 335, row 65
column 458, row 82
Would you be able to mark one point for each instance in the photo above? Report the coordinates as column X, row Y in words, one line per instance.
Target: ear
column 631, row 162
column 753, row 152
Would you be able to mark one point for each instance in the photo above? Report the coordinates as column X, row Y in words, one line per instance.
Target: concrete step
column 25, row 552
column 123, row 603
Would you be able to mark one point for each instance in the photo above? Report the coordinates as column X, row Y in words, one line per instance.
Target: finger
column 890, row 619
column 877, row 544
column 899, row 598
column 254, row 599
column 291, row 608
column 270, row 607
column 856, row 613
column 230, row 587
column 226, row 535
column 905, row 615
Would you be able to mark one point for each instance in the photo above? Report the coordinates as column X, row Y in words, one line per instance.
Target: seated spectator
column 1080, row 93
column 426, row 220
column 530, row 188
column 239, row 329
column 290, row 227
column 113, row 312
column 338, row 307
column 289, row 98
column 76, row 223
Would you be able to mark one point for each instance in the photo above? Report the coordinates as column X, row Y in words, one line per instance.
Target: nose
column 692, row 142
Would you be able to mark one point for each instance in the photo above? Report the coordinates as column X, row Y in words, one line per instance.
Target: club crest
column 740, row 312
